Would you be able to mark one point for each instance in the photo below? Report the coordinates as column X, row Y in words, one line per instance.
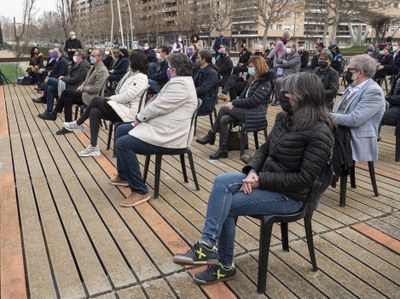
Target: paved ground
column 64, row 235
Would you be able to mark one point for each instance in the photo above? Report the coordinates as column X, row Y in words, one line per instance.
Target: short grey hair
column 366, row 63
column 181, row 63
column 326, row 53
column 292, row 43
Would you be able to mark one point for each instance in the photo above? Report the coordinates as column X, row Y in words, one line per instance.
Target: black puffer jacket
column 256, row 102
column 289, row 162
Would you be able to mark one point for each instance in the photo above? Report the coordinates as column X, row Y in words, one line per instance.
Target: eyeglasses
column 352, row 69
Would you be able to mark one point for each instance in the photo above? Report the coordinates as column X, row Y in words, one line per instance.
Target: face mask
column 322, row 64
column 168, row 73
column 36, row 52
column 73, row 37
column 222, row 55
column 190, row 52
column 380, row 52
column 371, row 50
column 92, row 60
column 179, row 40
column 258, row 53
column 75, row 59
column 54, row 54
column 348, row 77
column 221, row 36
column 289, row 50
column 158, row 55
column 146, row 48
column 285, row 104
column 251, row 70
column 195, row 39
column 120, row 56
column 395, row 48
column 301, row 48
column 107, row 52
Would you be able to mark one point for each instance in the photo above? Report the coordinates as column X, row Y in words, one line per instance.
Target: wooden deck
column 64, row 235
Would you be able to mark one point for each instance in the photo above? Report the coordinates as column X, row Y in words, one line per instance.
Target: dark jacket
column 77, row 75
column 150, row 55
column 161, row 74
column 304, row 57
column 36, row 61
column 388, row 66
column 314, row 61
column 121, row 67
column 396, row 61
column 394, row 98
column 225, row 66
column 256, row 102
column 290, row 161
column 72, row 44
column 108, row 61
column 244, row 57
column 50, row 64
column 336, row 63
column 60, row 68
column 206, row 82
column 220, row 41
column 330, row 81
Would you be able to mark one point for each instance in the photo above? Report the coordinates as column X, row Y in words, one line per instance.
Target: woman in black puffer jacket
column 277, row 180
column 251, row 104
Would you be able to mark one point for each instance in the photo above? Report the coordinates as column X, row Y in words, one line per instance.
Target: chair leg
column 242, row 142
column 256, row 139
column 110, row 133
column 310, row 242
column 146, row 168
column 353, row 176
column 76, row 112
column 265, row 134
column 397, row 158
column 185, row 178
column 211, row 120
column 285, row 236
column 157, row 176
column 372, row 176
column 190, row 155
column 115, row 134
column 265, row 239
column 343, row 188
column 195, row 125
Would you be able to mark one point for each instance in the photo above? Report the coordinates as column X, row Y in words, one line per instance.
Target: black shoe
column 214, row 274
column 199, row 254
column 246, row 158
column 40, row 100
column 63, row 131
column 219, row 154
column 48, row 115
column 209, row 138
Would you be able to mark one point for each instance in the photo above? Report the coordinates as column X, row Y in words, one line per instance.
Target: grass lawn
column 357, row 50
column 8, row 69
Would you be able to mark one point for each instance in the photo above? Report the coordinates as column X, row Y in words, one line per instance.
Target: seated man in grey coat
column 361, row 108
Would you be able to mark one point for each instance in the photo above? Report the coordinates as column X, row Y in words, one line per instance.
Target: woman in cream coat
column 163, row 124
column 121, row 107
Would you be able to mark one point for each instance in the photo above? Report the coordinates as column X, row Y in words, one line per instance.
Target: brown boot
column 135, row 199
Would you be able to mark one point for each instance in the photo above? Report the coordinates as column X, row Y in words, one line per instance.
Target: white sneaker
column 73, row 127
column 90, row 151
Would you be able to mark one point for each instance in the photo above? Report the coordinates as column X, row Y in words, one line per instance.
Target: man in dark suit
column 396, row 55
column 392, row 115
column 220, row 41
column 71, row 45
column 304, row 55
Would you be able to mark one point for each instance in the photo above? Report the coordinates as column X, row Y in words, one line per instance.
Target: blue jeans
column 155, row 86
column 226, row 203
column 152, row 68
column 126, row 149
column 51, row 92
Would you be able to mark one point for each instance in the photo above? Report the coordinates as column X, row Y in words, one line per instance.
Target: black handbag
column 234, row 138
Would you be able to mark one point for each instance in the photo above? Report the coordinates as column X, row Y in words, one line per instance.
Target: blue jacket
column 121, row 67
column 206, row 82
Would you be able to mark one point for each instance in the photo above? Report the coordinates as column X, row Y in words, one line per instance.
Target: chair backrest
column 143, row 99
column 101, row 93
column 320, row 185
column 192, row 123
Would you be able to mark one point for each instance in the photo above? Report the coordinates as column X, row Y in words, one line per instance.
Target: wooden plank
column 184, row 287
column 131, row 293
column 378, row 236
column 159, row 289
column 39, row 276
column 389, row 229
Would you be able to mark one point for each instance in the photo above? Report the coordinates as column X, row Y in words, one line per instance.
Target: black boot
column 209, row 138
column 219, row 154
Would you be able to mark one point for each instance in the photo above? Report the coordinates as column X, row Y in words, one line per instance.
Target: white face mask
column 107, row 52
column 158, row 55
column 179, row 40
column 395, row 48
column 75, row 59
column 73, row 36
column 289, row 50
column 146, row 47
column 301, row 48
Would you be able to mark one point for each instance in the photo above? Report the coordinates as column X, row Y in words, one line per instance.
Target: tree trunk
column 265, row 36
column 112, row 23
column 335, row 24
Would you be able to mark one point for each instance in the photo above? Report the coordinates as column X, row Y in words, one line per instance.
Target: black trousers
column 234, row 86
column 97, row 110
column 68, row 98
column 224, row 118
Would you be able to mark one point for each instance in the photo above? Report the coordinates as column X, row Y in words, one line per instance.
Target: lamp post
column 120, row 24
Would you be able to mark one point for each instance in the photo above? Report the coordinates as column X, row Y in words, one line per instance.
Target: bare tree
column 272, row 11
column 68, row 14
column 218, row 13
column 22, row 33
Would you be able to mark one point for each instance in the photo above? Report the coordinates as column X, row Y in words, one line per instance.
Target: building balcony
column 245, row 32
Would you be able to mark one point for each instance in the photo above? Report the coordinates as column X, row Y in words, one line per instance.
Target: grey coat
column 94, row 82
column 290, row 63
column 363, row 115
column 77, row 74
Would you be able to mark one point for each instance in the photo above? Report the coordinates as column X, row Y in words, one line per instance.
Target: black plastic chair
column 181, row 153
column 343, row 182
column 267, row 221
column 397, row 157
column 210, row 114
